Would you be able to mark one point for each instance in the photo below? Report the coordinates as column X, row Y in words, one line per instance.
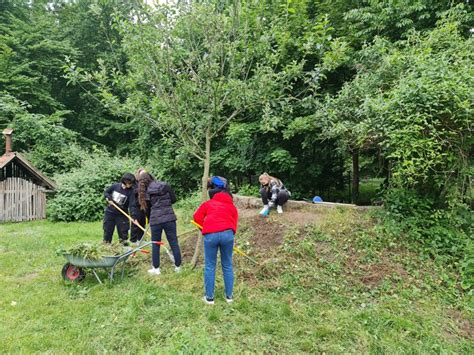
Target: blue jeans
column 212, row 243
column 170, row 231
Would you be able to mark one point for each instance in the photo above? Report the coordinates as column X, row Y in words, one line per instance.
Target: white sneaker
column 265, row 210
column 177, row 268
column 229, row 300
column 279, row 209
column 154, row 271
column 206, row 301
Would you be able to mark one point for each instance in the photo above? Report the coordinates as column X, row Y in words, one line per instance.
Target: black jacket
column 122, row 198
column 135, row 209
column 160, row 197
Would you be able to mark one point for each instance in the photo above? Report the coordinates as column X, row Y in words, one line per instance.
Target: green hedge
column 79, row 196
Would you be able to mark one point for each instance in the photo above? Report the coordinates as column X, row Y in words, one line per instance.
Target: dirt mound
column 187, row 245
column 262, row 234
column 267, row 233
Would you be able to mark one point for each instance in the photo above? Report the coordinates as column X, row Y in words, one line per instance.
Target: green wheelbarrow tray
column 74, row 269
column 105, row 261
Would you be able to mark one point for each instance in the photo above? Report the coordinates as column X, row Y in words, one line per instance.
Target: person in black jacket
column 160, row 197
column 121, row 193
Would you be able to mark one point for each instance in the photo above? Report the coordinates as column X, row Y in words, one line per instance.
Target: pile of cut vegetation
column 93, row 251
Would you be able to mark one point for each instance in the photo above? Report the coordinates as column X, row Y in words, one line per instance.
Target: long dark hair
column 144, row 179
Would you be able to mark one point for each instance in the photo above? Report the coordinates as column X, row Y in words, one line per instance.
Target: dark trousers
column 136, row 233
column 282, row 198
column 112, row 220
column 170, row 231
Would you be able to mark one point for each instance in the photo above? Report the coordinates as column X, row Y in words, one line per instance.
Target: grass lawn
column 330, row 287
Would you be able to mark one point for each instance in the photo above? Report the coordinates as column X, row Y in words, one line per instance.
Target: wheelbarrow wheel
column 73, row 273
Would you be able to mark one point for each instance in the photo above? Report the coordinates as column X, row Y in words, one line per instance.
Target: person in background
column 120, row 194
column 139, row 211
column 218, row 218
column 273, row 193
column 159, row 198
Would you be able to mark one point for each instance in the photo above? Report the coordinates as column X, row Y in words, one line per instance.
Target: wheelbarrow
column 75, row 269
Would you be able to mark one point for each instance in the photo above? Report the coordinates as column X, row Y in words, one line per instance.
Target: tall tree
column 32, row 52
column 193, row 71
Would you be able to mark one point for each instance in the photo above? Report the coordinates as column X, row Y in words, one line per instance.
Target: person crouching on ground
column 218, row 218
column 120, row 194
column 160, row 197
column 273, row 193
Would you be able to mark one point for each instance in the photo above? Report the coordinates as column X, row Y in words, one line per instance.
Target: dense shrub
column 80, row 192
column 249, row 190
column 467, row 268
column 444, row 233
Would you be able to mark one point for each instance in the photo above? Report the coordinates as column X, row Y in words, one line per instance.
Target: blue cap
column 317, row 199
column 217, row 182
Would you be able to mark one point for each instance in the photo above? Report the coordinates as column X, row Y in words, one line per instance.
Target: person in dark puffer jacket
column 218, row 218
column 160, row 198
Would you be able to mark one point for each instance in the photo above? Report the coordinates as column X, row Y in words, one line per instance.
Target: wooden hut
column 23, row 188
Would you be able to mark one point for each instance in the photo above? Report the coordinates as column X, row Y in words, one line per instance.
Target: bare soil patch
column 465, row 326
column 372, row 275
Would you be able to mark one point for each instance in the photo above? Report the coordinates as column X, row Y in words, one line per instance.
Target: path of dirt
column 267, row 232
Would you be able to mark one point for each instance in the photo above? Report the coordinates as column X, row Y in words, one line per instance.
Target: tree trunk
column 355, row 175
column 205, row 176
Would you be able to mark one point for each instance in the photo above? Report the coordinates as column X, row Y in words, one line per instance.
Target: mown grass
column 310, row 294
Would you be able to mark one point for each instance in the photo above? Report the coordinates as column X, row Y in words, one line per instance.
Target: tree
column 192, row 72
column 91, row 30
column 31, row 56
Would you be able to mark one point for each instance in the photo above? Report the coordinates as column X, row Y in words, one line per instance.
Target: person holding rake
column 159, row 198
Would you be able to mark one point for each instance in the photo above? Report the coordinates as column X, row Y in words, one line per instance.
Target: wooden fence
column 21, row 200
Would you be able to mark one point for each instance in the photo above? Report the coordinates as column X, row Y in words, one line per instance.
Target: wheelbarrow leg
column 111, row 274
column 96, row 276
column 123, row 269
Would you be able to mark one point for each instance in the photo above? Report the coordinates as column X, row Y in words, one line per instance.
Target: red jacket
column 218, row 214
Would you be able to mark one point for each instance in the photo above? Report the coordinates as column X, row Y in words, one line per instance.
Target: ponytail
column 143, row 181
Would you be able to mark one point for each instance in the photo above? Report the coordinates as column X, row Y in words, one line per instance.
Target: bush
column 188, row 205
column 467, row 268
column 51, row 147
column 79, row 196
column 249, row 190
column 441, row 233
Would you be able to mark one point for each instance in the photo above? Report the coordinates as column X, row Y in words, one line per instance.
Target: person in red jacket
column 218, row 218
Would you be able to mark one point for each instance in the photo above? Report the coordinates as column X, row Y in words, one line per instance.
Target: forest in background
column 319, row 93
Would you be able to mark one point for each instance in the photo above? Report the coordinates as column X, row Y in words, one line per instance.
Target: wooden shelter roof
column 21, row 160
